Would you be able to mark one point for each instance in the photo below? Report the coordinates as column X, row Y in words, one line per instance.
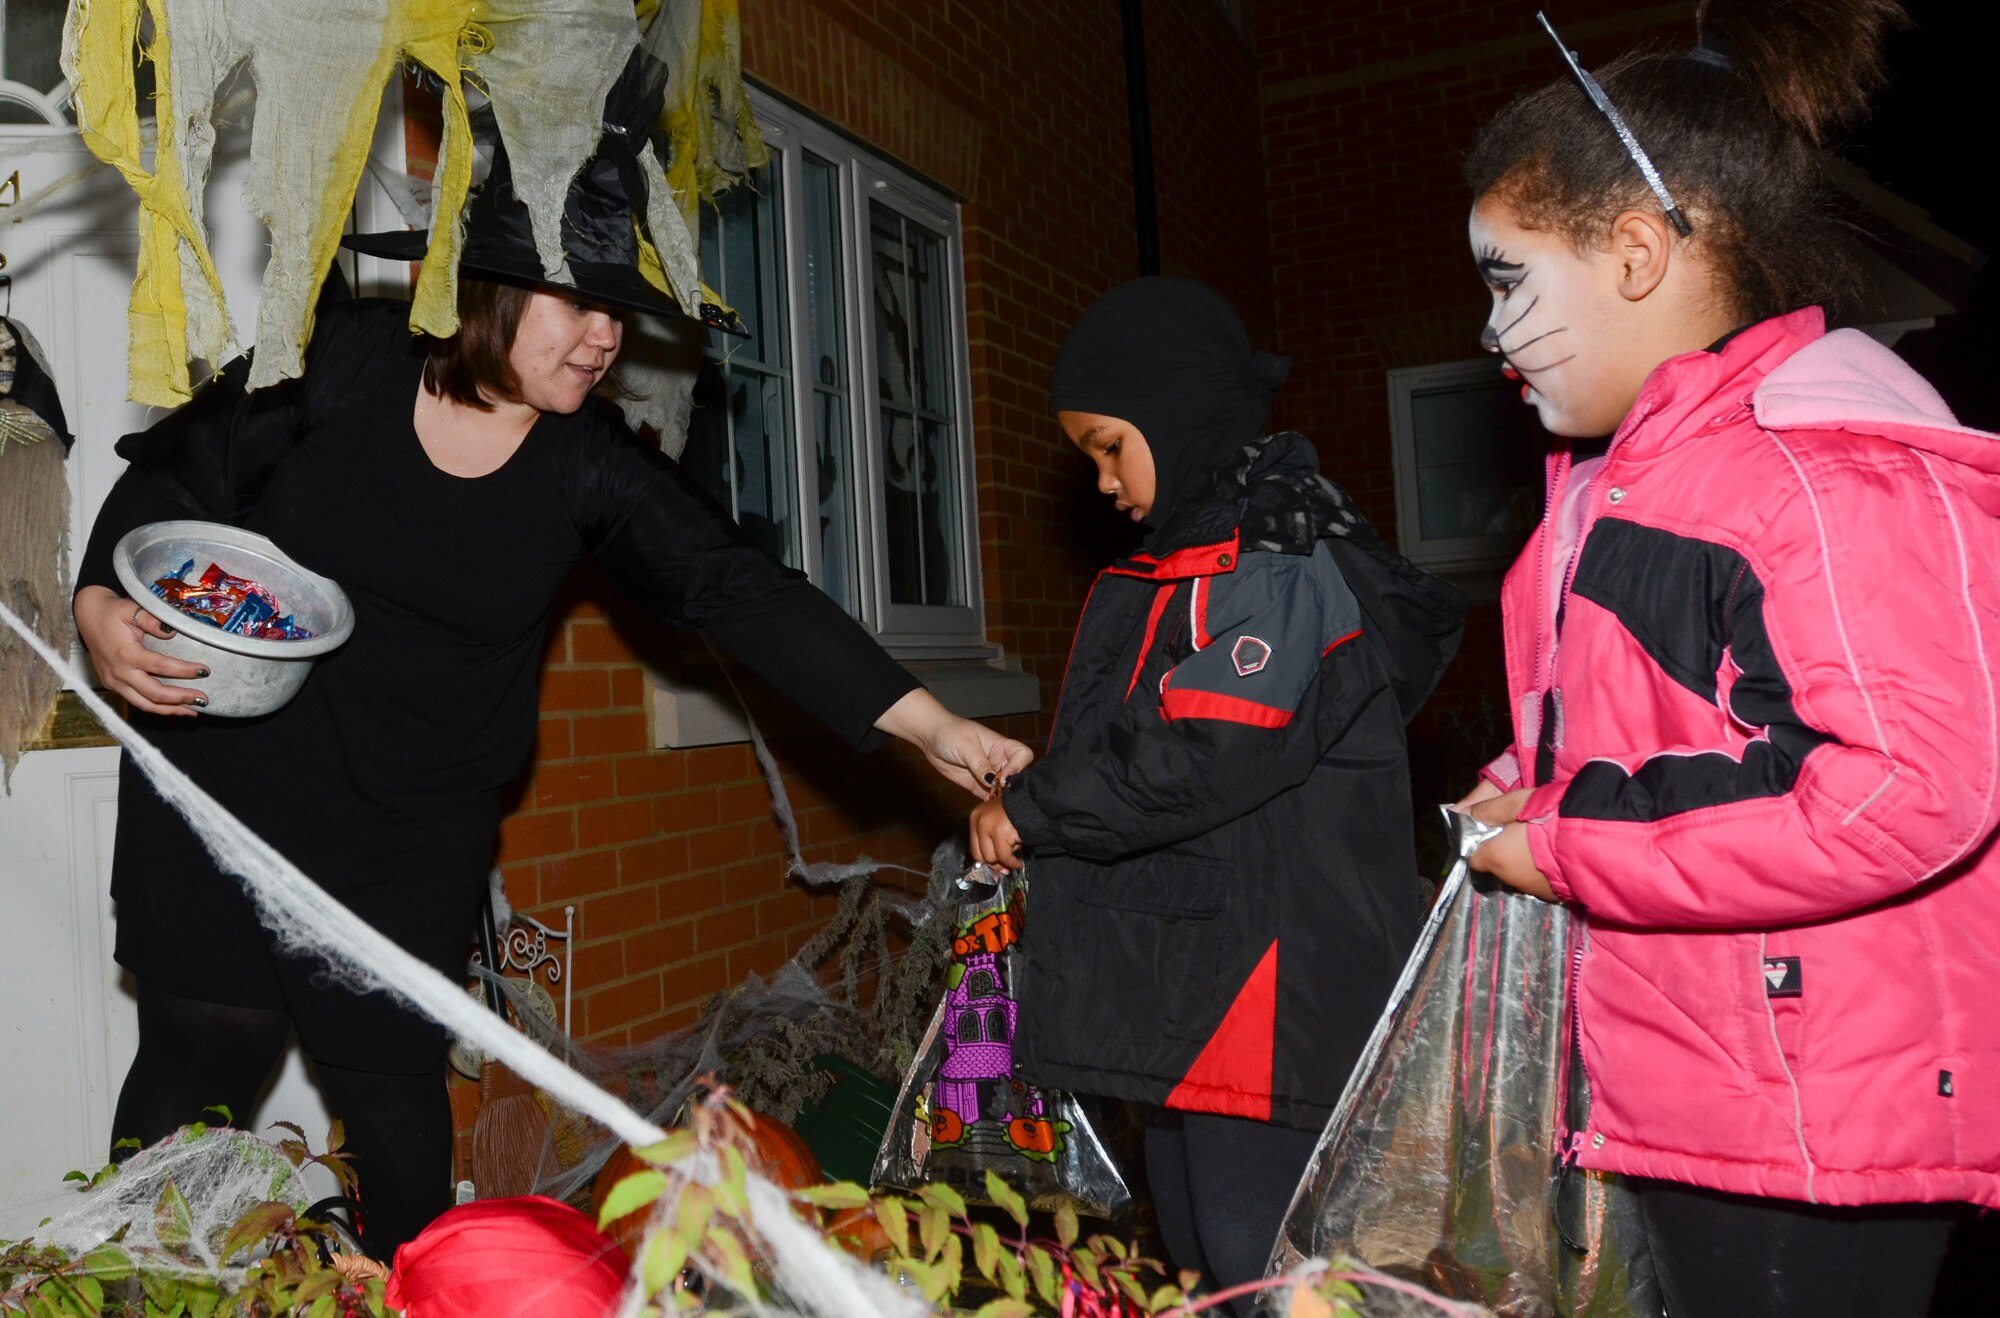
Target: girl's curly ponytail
column 1736, row 126
column 1817, row 62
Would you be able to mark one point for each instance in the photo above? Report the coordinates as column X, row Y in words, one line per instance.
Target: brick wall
column 1306, row 166
column 1208, row 156
column 1018, row 107
column 1366, row 116
column 1367, row 112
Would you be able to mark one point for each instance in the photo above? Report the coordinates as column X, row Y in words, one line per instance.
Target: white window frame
column 1477, row 561
column 944, row 645
column 50, row 105
column 907, row 630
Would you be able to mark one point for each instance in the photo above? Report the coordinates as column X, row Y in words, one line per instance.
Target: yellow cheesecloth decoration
column 319, row 68
column 708, row 119
column 550, row 67
column 99, row 40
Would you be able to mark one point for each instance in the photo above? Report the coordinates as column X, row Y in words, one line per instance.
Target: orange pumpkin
column 779, row 1155
column 947, row 1127
column 860, row 1233
column 1034, row 1134
column 630, row 1229
column 772, row 1149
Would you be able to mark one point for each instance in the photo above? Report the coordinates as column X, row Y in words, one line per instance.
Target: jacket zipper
column 1574, row 1132
column 1573, row 1146
column 1579, row 935
column 1542, row 670
column 1549, row 724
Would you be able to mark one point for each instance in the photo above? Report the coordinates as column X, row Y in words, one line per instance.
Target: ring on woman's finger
column 138, row 611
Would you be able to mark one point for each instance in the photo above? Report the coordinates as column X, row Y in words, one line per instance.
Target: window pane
column 743, row 260
column 826, row 339
column 927, row 301
column 739, row 445
column 30, row 42
column 920, row 459
column 828, row 334
column 1479, row 457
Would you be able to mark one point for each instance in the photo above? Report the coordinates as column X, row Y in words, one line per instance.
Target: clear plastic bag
column 962, row 1111
column 1441, row 1164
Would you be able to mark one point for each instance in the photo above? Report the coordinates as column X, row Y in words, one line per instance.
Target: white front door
column 68, row 1027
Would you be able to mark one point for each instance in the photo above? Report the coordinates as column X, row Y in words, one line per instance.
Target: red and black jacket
column 1223, row 888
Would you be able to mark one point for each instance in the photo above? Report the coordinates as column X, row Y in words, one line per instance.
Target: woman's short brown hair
column 472, row 366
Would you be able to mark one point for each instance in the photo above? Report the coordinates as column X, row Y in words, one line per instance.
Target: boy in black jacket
column 1224, row 888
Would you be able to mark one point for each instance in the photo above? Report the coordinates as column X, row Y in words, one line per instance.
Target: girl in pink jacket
column 1752, row 653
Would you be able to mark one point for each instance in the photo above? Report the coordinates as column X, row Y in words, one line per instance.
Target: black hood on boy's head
column 1170, row 357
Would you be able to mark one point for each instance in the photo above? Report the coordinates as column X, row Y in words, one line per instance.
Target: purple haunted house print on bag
column 975, row 1097
column 978, row 1039
column 963, row 1118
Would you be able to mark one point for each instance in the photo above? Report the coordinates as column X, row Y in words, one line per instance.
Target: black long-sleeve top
column 431, row 706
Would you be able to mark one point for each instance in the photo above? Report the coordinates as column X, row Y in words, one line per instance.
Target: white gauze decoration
column 817, row 1280
column 178, row 1199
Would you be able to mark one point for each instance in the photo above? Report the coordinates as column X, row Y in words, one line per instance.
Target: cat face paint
column 1555, row 321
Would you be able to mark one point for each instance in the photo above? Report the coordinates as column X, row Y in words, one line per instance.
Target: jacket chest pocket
column 1165, row 921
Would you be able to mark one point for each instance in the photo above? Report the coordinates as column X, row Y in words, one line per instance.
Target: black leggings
column 194, row 1055
column 1220, row 1189
column 1716, row 1255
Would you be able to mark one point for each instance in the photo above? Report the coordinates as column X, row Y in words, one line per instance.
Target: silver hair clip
column 1712, row 57
column 1610, row 112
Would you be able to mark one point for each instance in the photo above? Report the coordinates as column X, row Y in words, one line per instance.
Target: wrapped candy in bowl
column 237, row 604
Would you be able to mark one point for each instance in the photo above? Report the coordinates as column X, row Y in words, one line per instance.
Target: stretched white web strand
column 307, row 919
column 820, row 873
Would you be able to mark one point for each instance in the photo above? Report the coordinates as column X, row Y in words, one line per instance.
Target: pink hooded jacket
column 1766, row 768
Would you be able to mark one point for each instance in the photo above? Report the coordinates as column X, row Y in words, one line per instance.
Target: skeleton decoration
column 34, row 537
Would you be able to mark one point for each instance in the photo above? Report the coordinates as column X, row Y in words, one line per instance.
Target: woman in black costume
column 449, row 486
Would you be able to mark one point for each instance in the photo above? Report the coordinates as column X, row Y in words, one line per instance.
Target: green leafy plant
column 275, row 1261
column 1101, row 1274
column 953, row 1253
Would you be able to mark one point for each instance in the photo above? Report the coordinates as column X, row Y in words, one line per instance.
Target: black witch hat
column 599, row 237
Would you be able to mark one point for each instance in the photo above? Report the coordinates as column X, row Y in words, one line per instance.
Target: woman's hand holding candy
column 964, row 752
column 111, row 627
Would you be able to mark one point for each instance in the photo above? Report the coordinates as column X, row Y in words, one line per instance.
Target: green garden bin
column 845, row 1128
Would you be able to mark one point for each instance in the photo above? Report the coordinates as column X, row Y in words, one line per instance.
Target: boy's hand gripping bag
column 1442, row 1162
column 962, row 1111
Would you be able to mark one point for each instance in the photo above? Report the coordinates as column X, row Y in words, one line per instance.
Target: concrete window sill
column 683, row 712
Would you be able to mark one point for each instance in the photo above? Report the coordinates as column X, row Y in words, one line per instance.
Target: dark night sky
column 1929, row 141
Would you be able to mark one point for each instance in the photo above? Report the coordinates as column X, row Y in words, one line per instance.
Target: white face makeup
column 1556, row 322
column 562, row 349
